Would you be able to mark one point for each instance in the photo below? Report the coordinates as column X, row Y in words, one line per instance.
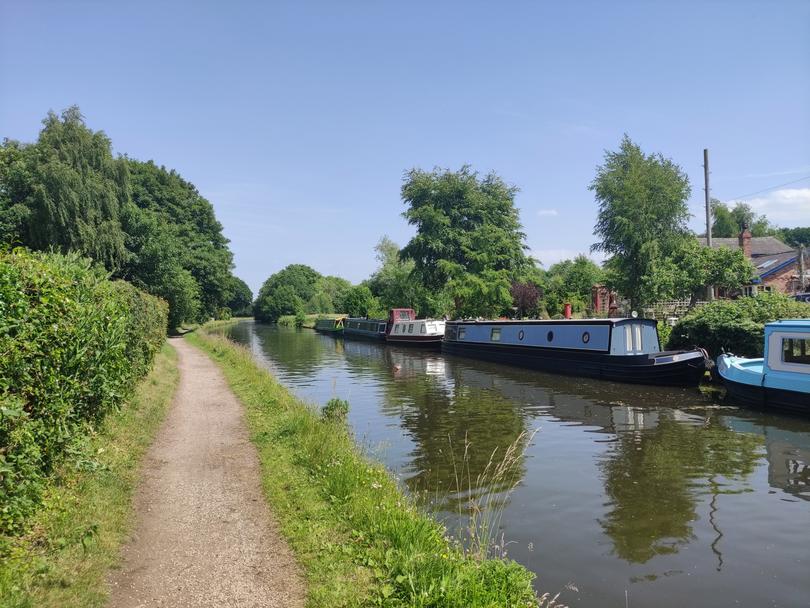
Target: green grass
column 75, row 538
column 360, row 541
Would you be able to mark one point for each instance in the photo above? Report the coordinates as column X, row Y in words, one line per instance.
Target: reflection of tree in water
column 654, row 477
column 459, row 442
column 297, row 355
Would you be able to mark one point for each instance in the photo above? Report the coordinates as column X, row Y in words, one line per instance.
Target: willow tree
column 67, row 190
column 469, row 240
column 642, row 219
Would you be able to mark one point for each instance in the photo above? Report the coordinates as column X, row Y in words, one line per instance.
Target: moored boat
column 362, row 328
column 622, row 350
column 330, row 326
column 405, row 329
column 781, row 378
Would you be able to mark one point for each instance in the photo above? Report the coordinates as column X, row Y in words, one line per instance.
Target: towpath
column 204, row 536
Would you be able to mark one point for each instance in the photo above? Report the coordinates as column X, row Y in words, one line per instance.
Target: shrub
column 335, row 410
column 734, row 325
column 73, row 345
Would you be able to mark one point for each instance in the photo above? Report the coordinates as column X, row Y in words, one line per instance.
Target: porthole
column 550, row 336
column 586, row 337
column 520, row 335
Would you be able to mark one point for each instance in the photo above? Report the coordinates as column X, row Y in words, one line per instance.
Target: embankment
column 359, row 540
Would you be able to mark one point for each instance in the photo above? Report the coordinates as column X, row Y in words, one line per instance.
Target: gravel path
column 204, row 536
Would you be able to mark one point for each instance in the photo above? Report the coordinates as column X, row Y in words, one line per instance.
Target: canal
column 626, row 496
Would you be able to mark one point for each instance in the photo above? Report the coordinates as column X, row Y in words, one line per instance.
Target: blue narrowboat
column 780, row 379
column 623, row 350
column 367, row 329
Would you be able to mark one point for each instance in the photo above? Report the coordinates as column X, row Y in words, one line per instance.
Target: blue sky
column 298, row 119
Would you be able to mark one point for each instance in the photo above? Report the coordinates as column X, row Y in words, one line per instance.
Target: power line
column 744, row 196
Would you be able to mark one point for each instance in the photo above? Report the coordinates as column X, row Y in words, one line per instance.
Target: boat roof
column 801, row 324
column 612, row 321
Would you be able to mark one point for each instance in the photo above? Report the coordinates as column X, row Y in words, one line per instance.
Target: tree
column 330, row 295
column 724, row 225
column 525, row 297
column 360, row 302
column 466, row 227
column 691, row 267
column 729, row 222
column 281, row 301
column 642, row 217
column 66, row 191
column 241, row 298
column 795, row 236
column 570, row 281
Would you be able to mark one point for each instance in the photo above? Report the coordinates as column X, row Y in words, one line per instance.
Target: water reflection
column 626, row 487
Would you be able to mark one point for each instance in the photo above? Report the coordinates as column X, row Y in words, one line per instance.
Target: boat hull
column 763, row 397
column 431, row 342
column 685, row 369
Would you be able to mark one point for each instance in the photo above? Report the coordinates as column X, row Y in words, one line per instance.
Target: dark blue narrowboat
column 365, row 329
column 622, row 350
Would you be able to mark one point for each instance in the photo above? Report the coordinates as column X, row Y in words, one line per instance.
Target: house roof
column 760, row 245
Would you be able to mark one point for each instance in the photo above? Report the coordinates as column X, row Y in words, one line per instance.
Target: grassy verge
column 74, row 539
column 359, row 539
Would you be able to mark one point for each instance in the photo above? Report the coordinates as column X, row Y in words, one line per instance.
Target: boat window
column 628, row 338
column 451, row 333
column 586, row 337
column 462, row 332
column 550, row 336
column 422, row 328
column 381, row 328
column 410, row 328
column 638, row 345
column 495, row 334
column 796, row 350
column 520, row 335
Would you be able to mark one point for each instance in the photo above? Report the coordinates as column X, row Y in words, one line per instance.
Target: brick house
column 776, row 264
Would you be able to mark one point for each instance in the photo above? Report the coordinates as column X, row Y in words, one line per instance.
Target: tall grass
column 359, row 539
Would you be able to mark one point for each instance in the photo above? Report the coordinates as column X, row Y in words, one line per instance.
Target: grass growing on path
column 75, row 538
column 359, row 539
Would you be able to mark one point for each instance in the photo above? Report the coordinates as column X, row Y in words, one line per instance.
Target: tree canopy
column 642, row 218
column 142, row 222
column 469, row 240
column 729, row 222
column 570, row 281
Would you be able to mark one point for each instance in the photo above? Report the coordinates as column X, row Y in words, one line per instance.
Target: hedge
column 736, row 326
column 72, row 346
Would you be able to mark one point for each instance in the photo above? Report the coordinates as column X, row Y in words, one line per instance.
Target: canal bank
column 663, row 494
column 358, row 539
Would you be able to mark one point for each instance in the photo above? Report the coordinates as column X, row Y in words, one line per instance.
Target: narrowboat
column 622, row 350
column 405, row 329
column 781, row 378
column 362, row 328
column 330, row 326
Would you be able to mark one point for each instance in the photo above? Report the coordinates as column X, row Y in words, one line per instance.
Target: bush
column 734, row 325
column 335, row 410
column 73, row 345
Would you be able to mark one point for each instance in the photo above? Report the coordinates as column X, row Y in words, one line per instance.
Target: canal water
column 626, row 496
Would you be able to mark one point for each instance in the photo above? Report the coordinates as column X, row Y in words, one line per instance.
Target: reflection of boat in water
column 780, row 379
column 622, row 350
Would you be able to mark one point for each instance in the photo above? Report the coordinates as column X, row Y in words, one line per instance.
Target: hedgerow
column 735, row 325
column 72, row 346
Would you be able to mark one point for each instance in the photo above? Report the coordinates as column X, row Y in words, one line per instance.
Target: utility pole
column 709, row 288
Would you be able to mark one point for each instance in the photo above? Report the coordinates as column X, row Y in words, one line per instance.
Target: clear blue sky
column 298, row 119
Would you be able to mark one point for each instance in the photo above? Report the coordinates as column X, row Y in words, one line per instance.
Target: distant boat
column 366, row 329
column 330, row 326
column 780, row 379
column 405, row 329
column 623, row 350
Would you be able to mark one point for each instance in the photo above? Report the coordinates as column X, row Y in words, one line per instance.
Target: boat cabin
column 364, row 328
column 329, row 325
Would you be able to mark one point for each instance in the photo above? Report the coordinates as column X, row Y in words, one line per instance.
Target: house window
column 462, row 333
column 796, row 350
column 495, row 334
column 410, row 328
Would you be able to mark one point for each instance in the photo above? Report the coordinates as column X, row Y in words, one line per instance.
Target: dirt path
column 204, row 536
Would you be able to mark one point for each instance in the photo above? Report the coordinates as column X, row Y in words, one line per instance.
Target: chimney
column 745, row 241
